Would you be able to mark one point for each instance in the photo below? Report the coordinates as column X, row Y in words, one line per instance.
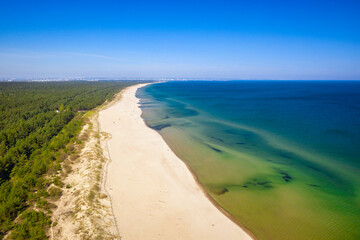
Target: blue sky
column 181, row 39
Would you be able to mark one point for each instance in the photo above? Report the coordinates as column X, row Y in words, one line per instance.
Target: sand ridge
column 84, row 210
column 153, row 194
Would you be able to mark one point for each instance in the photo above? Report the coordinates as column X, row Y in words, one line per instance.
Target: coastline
column 154, row 194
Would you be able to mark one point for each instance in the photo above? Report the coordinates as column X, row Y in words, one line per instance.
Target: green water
column 275, row 183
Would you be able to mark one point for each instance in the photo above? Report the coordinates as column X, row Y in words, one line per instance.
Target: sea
column 281, row 157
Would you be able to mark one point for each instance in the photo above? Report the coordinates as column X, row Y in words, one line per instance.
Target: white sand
column 154, row 195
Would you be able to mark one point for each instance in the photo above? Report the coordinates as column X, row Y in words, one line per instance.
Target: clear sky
column 181, row 39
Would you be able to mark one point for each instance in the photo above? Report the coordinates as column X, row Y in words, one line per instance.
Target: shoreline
column 213, row 201
column 150, row 186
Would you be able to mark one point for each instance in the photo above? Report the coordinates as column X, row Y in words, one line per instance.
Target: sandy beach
column 153, row 194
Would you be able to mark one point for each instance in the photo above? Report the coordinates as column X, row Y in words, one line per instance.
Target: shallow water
column 282, row 157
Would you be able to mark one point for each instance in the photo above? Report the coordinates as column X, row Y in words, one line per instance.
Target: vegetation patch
column 31, row 225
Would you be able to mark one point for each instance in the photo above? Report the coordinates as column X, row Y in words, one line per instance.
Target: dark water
column 283, row 157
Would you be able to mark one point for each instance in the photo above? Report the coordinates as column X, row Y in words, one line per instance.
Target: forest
column 37, row 121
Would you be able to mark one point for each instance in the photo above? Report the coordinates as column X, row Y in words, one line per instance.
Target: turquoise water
column 282, row 157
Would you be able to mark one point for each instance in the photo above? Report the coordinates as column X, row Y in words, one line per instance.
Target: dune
column 153, row 193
